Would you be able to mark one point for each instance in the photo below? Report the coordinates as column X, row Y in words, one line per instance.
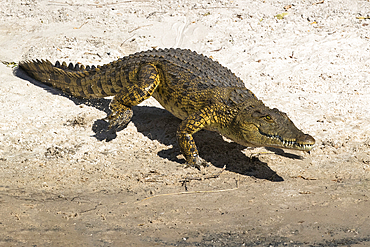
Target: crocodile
column 193, row 87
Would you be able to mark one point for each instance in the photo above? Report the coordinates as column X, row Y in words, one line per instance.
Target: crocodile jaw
column 303, row 142
column 253, row 137
column 262, row 126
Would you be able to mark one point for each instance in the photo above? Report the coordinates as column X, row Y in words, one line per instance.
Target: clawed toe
column 198, row 163
column 119, row 118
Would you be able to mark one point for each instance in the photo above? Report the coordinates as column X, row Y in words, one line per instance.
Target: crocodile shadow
column 158, row 124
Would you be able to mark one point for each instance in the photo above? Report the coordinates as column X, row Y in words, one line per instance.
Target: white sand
column 313, row 64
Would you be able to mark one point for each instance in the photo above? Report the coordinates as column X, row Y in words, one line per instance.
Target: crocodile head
column 262, row 126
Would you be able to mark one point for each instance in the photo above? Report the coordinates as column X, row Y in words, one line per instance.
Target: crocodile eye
column 268, row 118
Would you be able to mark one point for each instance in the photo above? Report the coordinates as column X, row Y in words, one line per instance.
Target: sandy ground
column 64, row 181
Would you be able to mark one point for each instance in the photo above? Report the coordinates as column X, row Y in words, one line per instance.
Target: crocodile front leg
column 142, row 82
column 187, row 128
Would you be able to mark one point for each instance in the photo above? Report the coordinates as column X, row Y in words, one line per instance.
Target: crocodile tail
column 75, row 80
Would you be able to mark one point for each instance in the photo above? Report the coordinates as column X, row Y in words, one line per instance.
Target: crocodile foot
column 197, row 162
column 119, row 118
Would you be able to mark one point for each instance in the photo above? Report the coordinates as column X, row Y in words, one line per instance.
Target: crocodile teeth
column 286, row 143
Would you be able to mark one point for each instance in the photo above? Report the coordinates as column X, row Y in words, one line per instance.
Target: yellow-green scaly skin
column 194, row 88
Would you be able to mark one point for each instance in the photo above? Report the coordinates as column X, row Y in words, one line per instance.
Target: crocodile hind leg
column 187, row 128
column 141, row 85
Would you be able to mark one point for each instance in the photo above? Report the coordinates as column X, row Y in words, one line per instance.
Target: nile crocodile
column 193, row 87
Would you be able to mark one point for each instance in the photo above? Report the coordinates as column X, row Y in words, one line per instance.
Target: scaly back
column 108, row 80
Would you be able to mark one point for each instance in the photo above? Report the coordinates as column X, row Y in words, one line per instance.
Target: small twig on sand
column 127, row 39
column 197, row 191
column 304, row 178
column 217, row 49
column 139, row 28
column 319, row 2
column 215, row 175
column 189, row 192
column 98, row 5
column 218, row 7
column 81, row 25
